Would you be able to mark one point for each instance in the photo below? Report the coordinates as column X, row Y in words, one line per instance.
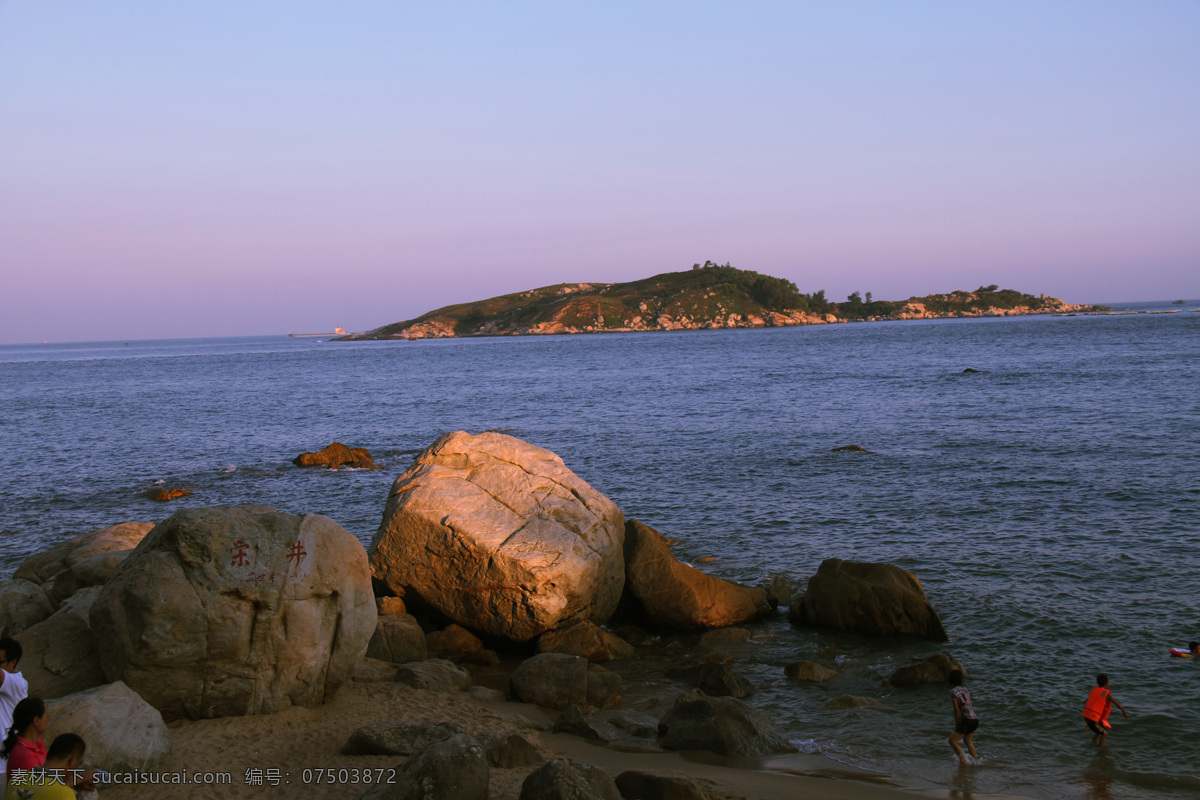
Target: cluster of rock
column 228, row 611
column 337, row 455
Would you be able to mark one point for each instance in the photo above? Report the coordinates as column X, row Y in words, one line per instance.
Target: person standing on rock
column 965, row 718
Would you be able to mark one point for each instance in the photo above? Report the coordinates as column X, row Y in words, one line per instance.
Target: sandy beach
column 299, row 741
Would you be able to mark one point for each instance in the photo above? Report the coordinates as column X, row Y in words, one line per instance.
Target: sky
column 242, row 168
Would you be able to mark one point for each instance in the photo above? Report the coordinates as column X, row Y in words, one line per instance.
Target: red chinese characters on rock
column 297, row 552
column 239, row 551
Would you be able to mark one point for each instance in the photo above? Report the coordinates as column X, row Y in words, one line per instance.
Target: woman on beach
column 21, row 746
column 965, row 718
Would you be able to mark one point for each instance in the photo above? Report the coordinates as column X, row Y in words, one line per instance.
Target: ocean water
column 1050, row 503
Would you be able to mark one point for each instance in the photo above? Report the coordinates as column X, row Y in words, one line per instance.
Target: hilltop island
column 705, row 297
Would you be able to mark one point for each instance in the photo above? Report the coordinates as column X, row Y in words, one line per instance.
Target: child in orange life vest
column 1096, row 711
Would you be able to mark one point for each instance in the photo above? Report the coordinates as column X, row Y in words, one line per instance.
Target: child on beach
column 1099, row 705
column 965, row 718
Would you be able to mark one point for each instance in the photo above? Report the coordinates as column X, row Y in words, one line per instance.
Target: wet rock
column 874, row 599
column 435, row 675
column 401, row 737
column 719, row 680
column 779, row 591
column 487, row 695
column 809, row 671
column 163, row 495
column 642, row 729
column 337, row 455
column 603, row 687
column 585, row 639
column 123, row 732
column 551, row 679
column 452, row 769
column 847, row 701
column 500, row 537
column 571, row 721
column 22, row 604
column 850, row 448
column 398, row 638
column 934, row 669
column 226, row 611
column 723, row 725
column 567, row 779
column 723, row 637
column 664, row 784
column 674, row 595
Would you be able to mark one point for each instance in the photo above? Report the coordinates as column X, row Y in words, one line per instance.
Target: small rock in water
column 850, row 448
column 809, row 671
column 162, row 495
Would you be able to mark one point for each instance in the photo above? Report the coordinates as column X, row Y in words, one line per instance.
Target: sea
column 1049, row 502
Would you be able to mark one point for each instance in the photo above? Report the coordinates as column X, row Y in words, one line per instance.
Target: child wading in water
column 965, row 718
column 1099, row 706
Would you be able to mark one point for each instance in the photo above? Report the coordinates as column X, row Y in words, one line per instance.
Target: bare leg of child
column 958, row 750
column 970, row 740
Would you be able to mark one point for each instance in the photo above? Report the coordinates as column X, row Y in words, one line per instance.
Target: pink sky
column 234, row 170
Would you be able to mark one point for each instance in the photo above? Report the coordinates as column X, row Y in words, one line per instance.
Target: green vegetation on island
column 709, row 295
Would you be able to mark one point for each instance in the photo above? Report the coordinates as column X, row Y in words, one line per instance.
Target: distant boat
column 338, row 331
column 1179, row 302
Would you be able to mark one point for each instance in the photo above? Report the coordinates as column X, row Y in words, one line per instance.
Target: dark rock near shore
column 723, row 637
column 876, row 599
column 452, row 769
column 719, row 680
column 567, row 779
column 934, row 669
column 723, row 725
column 453, row 640
column 674, row 595
column 509, row 750
column 551, row 679
column 401, row 737
column 665, row 784
column 636, row 636
column 337, row 455
column 809, row 671
column 571, row 721
column 603, row 687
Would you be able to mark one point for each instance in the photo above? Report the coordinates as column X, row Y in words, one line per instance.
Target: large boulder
column 934, row 669
column 875, row 599
column 60, row 653
column 123, row 732
column 226, row 611
column 337, row 455
column 398, row 638
column 567, row 779
column 82, row 561
column 810, row 671
column 451, row 769
column 22, row 604
column 499, row 536
column 724, row 725
column 551, row 679
column 674, row 595
column 586, row 639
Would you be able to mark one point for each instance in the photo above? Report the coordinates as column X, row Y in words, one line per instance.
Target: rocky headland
column 475, row 639
column 707, row 297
